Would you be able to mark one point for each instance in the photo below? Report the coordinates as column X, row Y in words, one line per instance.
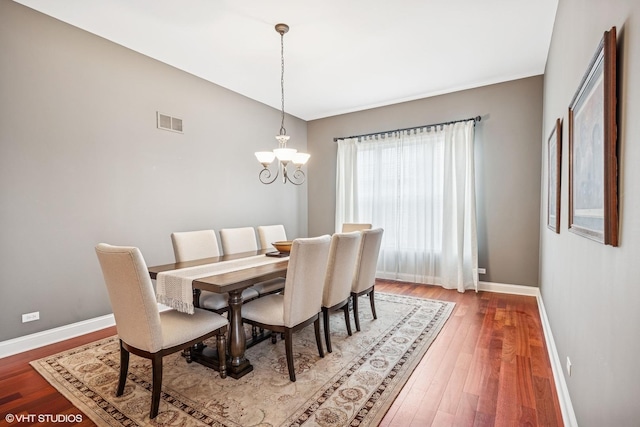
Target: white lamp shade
column 265, row 157
column 300, row 159
column 285, row 154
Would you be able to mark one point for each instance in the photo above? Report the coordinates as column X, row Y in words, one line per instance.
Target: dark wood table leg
column 238, row 364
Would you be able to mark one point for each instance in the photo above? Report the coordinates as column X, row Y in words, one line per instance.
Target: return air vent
column 167, row 122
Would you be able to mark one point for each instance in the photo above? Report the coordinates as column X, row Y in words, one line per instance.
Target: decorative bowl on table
column 283, row 246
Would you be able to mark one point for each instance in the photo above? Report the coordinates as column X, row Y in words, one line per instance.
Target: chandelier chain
column 283, row 131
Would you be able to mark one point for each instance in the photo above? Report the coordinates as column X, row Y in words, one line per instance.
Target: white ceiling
column 340, row 56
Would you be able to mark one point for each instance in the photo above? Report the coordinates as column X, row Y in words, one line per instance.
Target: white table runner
column 174, row 288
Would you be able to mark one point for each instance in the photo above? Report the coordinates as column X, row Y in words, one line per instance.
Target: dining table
column 227, row 274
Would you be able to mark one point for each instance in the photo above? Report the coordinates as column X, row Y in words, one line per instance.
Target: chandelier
column 284, row 155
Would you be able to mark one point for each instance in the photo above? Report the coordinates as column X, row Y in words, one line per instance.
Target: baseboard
column 568, row 415
column 51, row 336
column 503, row 288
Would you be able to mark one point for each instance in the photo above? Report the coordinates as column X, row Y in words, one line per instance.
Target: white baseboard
column 503, row 288
column 51, row 336
column 568, row 415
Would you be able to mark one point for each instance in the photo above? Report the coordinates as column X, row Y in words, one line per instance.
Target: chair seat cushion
column 269, row 286
column 268, row 309
column 178, row 328
column 215, row 301
column 249, row 294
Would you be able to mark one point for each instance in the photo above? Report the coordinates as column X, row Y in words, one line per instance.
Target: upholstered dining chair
column 268, row 234
column 365, row 276
column 300, row 304
column 243, row 239
column 236, row 240
column 341, row 267
column 348, row 227
column 192, row 245
column 142, row 329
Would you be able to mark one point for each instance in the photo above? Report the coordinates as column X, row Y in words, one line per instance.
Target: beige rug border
column 382, row 404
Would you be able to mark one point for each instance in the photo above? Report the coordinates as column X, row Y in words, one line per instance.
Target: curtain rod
column 475, row 119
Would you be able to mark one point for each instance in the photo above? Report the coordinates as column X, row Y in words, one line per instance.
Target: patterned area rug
column 354, row 385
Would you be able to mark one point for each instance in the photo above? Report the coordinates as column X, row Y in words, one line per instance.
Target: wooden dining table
column 233, row 283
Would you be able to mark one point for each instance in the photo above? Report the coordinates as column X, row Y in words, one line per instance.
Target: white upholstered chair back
column 132, row 297
column 236, row 240
column 271, row 233
column 349, row 227
column 190, row 245
column 305, row 279
column 341, row 266
column 367, row 259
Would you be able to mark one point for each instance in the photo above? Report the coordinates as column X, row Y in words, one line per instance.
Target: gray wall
column 507, row 167
column 591, row 291
column 81, row 162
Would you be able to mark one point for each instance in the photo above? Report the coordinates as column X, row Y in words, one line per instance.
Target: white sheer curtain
column 419, row 186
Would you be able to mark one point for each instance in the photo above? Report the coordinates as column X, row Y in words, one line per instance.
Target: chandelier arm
column 298, row 177
column 265, row 174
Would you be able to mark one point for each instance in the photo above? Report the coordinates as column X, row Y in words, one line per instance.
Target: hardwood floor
column 489, row 366
column 24, row 392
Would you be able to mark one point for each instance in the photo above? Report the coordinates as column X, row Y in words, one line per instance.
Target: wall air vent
column 166, row 122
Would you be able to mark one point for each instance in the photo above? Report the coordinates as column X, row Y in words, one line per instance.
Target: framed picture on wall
column 554, row 162
column 593, row 163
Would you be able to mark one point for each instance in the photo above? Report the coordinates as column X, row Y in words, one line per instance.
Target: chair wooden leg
column 316, row 326
column 373, row 304
column 198, row 346
column 288, row 345
column 156, row 385
column 124, row 368
column 196, row 297
column 222, row 357
column 347, row 318
column 355, row 311
column 327, row 332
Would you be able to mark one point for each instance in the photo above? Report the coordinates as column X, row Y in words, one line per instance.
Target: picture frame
column 593, row 160
column 554, row 166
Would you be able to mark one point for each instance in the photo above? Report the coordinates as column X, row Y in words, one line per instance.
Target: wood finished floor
column 489, row 366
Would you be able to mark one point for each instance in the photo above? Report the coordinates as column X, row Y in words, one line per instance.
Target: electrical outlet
column 568, row 366
column 30, row 317
column 482, row 271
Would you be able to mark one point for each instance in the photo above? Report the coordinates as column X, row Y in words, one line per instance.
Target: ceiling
column 340, row 56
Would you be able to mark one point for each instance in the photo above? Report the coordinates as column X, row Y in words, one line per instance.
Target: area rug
column 352, row 386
